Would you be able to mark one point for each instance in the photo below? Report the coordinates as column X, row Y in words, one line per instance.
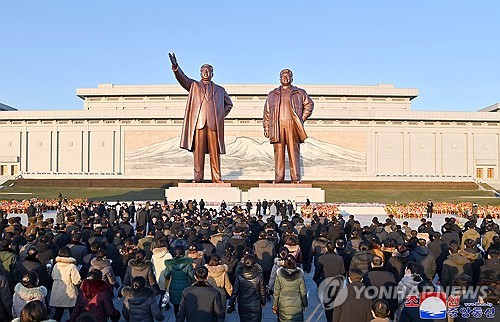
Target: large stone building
column 355, row 133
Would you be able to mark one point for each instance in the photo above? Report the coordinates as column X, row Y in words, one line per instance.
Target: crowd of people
column 41, row 205
column 461, row 209
column 205, row 263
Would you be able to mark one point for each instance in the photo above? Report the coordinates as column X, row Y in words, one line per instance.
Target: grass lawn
column 336, row 191
column 108, row 194
column 389, row 196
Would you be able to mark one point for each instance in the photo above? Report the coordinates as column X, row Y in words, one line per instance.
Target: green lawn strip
column 407, row 196
column 110, row 194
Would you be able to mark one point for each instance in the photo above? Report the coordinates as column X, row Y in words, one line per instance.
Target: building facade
column 355, row 133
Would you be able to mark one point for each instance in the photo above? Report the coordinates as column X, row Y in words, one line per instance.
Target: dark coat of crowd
column 206, row 263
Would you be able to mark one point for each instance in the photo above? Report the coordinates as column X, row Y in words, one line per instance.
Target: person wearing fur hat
column 26, row 291
column 139, row 302
column 95, row 297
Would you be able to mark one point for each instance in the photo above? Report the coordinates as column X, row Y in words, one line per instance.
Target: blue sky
column 450, row 50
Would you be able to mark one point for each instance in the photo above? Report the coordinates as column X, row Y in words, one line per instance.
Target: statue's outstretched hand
column 173, row 60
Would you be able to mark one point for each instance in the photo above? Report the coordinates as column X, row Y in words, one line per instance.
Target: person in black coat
column 424, row 257
column 398, row 262
column 306, row 238
column 250, row 292
column 131, row 211
column 142, row 218
column 380, row 278
column 31, row 211
column 265, row 204
column 439, row 249
column 201, row 301
column 354, row 308
column 5, row 299
column 329, row 265
column 140, row 303
column 32, row 264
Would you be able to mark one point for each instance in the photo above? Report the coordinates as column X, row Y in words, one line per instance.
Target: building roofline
column 249, row 89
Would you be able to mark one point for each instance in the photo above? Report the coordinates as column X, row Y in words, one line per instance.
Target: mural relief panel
column 249, row 155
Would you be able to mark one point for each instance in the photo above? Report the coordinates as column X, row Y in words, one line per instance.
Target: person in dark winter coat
column 422, row 256
column 196, row 255
column 492, row 263
column 306, row 238
column 354, row 308
column 95, row 297
column 454, row 265
column 475, row 258
column 8, row 261
column 318, row 246
column 139, row 302
column 439, row 249
column 200, row 301
column 78, row 249
column 250, row 292
column 290, row 293
column 179, row 274
column 381, row 279
column 264, row 255
column 231, row 261
column 141, row 267
column 32, row 264
column 377, row 276
column 239, row 242
column 5, row 298
column 45, row 253
column 329, row 265
column 362, row 258
column 397, row 263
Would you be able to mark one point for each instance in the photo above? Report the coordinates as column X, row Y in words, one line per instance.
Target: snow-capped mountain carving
column 250, row 154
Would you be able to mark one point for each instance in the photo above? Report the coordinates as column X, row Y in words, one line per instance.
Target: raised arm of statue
column 183, row 80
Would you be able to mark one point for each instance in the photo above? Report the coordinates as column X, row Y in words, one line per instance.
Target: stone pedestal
column 287, row 191
column 209, row 192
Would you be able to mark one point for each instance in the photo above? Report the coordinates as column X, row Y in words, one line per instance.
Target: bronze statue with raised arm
column 285, row 111
column 203, row 128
